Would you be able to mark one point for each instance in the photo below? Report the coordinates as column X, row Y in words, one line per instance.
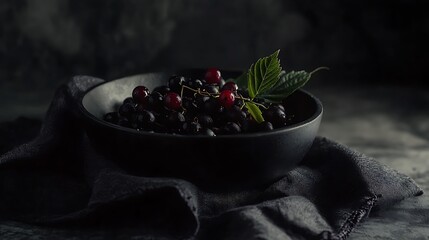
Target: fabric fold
column 59, row 179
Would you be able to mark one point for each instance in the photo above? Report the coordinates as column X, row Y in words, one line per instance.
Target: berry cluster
column 194, row 107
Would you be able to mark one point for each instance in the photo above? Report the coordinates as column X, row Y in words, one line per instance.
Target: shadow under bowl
column 222, row 162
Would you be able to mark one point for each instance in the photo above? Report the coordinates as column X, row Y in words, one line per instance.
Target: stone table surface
column 390, row 124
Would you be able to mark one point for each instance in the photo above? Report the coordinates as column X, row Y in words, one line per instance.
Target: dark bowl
column 221, row 162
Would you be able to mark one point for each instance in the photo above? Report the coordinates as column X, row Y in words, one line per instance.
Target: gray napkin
column 59, row 180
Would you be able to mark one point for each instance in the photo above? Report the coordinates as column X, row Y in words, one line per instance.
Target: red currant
column 173, row 101
column 212, row 76
column 140, row 94
column 230, row 86
column 226, row 98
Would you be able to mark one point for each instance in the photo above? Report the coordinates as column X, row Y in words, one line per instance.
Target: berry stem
column 204, row 93
column 250, row 100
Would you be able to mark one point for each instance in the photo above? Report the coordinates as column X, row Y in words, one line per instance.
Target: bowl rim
column 316, row 115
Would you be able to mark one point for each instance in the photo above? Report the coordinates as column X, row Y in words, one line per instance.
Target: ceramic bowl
column 221, row 162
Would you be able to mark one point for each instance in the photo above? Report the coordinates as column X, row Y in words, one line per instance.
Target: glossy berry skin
column 276, row 116
column 162, row 90
column 205, row 121
column 126, row 110
column 189, row 105
column 239, row 102
column 200, row 100
column 172, row 101
column 192, row 128
column 165, row 110
column 231, row 128
column 175, row 120
column 265, row 126
column 148, row 117
column 144, row 119
column 232, row 86
column 194, row 84
column 235, row 114
column 155, row 101
column 210, row 88
column 140, row 94
column 175, row 83
column 212, row 107
column 207, row 132
column 140, row 108
column 213, row 76
column 195, row 127
column 279, row 106
column 248, row 125
column 226, row 98
column 128, row 100
column 222, row 82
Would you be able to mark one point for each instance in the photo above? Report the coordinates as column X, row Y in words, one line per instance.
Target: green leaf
column 287, row 84
column 263, row 75
column 241, row 81
column 280, row 81
column 255, row 112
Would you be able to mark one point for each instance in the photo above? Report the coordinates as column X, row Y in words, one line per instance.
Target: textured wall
column 42, row 42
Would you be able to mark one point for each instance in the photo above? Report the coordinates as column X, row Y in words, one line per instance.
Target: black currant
column 192, row 127
column 235, row 114
column 212, row 106
column 124, row 122
column 239, row 102
column 278, row 105
column 140, row 94
column 128, row 100
column 212, row 89
column 162, row 89
column 231, row 128
column 207, row 132
column 126, row 110
column 276, row 116
column 175, row 119
column 144, row 120
column 111, row 117
column 189, row 105
column 232, row 86
column 265, row 126
column 221, row 83
column 200, row 100
column 248, row 125
column 205, row 120
column 195, row 84
column 155, row 101
column 175, row 83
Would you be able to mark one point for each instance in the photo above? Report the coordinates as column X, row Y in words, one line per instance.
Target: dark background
column 45, row 42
